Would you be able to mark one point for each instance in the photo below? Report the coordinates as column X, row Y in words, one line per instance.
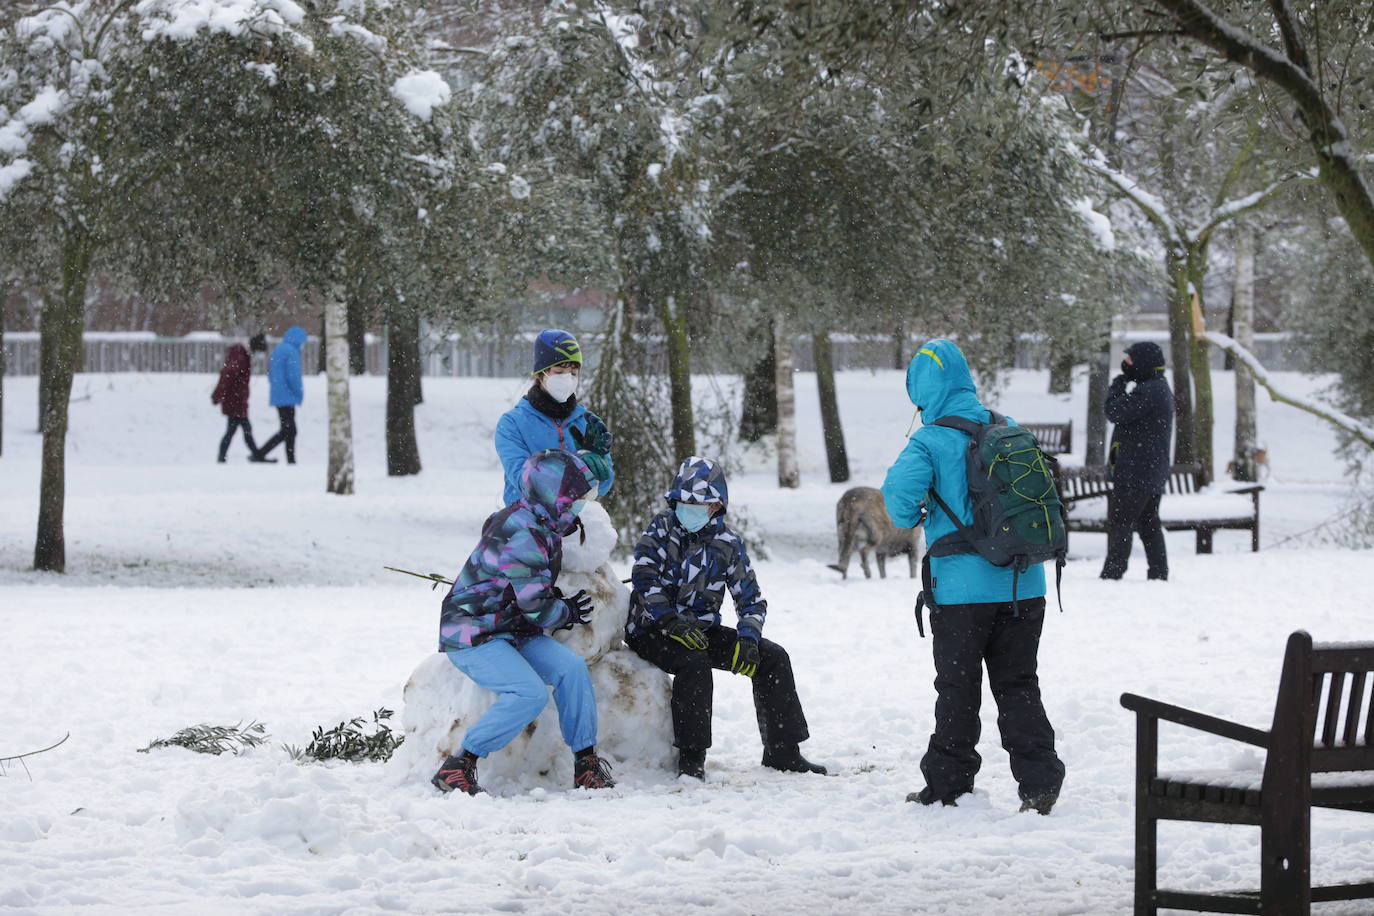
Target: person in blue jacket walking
column 975, row 621
column 549, row 416
column 286, row 389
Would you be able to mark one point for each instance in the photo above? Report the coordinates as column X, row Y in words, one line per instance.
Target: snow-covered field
column 199, row 592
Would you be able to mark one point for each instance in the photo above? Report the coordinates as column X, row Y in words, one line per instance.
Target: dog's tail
column 844, row 528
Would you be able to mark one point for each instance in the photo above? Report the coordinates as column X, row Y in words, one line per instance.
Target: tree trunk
column 403, row 366
column 339, row 477
column 789, row 476
column 1099, row 376
column 674, row 317
column 1061, row 370
column 1180, row 354
column 836, row 458
column 357, row 338
column 63, row 318
column 759, row 416
column 1203, row 406
column 417, row 391
column 323, row 366
column 4, row 300
column 900, row 356
column 1243, row 330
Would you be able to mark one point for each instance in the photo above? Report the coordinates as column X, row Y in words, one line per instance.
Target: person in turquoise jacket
column 975, row 621
column 549, row 416
column 286, row 389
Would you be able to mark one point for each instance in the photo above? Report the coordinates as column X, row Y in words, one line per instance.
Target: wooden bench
column 1055, row 438
column 1324, row 760
column 1183, row 508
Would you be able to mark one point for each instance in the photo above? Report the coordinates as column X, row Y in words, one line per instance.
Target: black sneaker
column 1040, row 803
column 591, row 772
column 789, row 759
column 458, row 774
column 691, row 763
column 928, row 796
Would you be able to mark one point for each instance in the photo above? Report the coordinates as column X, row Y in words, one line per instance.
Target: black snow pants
column 779, row 712
column 286, row 434
column 234, row 424
column 1131, row 511
column 965, row 637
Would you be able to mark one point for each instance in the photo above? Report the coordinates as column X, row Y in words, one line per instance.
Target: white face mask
column 561, row 386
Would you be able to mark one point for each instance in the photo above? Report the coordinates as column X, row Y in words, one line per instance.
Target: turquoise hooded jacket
column 940, row 385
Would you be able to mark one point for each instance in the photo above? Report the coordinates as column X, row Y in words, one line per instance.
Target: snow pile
column 632, row 696
column 421, row 91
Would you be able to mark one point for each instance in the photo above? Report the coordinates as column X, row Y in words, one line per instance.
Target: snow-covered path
column 151, row 631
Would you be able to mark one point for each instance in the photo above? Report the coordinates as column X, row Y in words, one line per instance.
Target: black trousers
column 779, row 712
column 287, row 434
column 1134, row 511
column 966, row 637
column 235, row 423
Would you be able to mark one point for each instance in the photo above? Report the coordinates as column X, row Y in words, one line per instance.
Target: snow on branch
column 1153, row 207
column 1343, row 420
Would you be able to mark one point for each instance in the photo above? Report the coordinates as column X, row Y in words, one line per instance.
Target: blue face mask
column 692, row 516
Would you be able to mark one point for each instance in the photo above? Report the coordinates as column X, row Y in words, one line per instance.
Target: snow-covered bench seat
column 1318, row 753
column 1186, row 506
column 1054, row 438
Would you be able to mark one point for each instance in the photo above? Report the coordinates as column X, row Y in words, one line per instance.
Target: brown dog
column 862, row 523
column 1261, row 465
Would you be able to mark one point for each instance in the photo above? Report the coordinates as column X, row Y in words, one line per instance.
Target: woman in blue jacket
column 286, row 389
column 976, row 622
column 549, row 416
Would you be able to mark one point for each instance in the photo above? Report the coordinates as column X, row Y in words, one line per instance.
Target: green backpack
column 1018, row 519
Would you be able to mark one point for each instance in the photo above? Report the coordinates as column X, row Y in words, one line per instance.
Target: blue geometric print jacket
column 679, row 571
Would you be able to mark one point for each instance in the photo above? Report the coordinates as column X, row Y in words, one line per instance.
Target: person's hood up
column 699, row 480
column 551, row 481
column 295, row 336
column 1147, row 360
column 939, row 383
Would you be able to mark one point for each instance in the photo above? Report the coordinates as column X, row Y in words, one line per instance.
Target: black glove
column 595, row 438
column 581, row 606
column 744, row 659
column 684, row 630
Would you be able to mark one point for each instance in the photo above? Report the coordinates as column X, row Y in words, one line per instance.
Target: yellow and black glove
column 685, row 630
column 744, row 658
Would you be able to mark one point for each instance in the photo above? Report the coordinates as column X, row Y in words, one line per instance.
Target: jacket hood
column 939, row 383
column 699, row 480
column 551, row 481
column 1147, row 360
column 295, row 336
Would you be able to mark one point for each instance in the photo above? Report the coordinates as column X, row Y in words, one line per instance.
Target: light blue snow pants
column 516, row 671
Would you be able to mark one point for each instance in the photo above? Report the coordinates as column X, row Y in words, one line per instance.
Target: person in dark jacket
column 975, row 622
column 492, row 623
column 685, row 562
column 549, row 416
column 1139, row 459
column 287, row 389
column 231, row 394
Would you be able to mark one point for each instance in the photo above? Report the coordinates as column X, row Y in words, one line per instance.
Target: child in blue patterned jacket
column 684, row 563
column 493, row 620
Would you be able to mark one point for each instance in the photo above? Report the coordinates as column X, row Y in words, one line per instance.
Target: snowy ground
column 199, row 592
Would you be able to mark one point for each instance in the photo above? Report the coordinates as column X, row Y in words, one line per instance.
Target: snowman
column 632, row 696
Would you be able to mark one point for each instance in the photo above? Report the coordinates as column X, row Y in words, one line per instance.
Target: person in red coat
column 231, row 394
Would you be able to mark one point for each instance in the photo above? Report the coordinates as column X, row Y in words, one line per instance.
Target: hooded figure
column 492, row 623
column 976, row 623
column 684, row 563
column 286, row 389
column 231, row 394
column 1139, row 459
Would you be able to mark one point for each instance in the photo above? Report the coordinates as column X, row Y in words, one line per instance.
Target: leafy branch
column 349, row 741
column 214, row 739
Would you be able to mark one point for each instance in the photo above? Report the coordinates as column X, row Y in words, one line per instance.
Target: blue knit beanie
column 552, row 347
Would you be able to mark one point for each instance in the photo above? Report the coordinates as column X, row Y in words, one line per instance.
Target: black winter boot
column 788, row 758
column 1041, row 803
column 691, row 763
column 591, row 772
column 458, row 773
column 927, row 796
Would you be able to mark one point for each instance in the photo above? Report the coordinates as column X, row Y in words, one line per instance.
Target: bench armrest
column 1254, row 488
column 1201, row 721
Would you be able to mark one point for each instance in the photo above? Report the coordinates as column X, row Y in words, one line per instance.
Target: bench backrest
column 1054, row 438
column 1183, row 478
column 1324, row 716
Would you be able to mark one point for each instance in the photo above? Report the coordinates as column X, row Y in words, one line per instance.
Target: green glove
column 681, row 628
column 596, row 463
column 744, row 659
column 594, row 437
